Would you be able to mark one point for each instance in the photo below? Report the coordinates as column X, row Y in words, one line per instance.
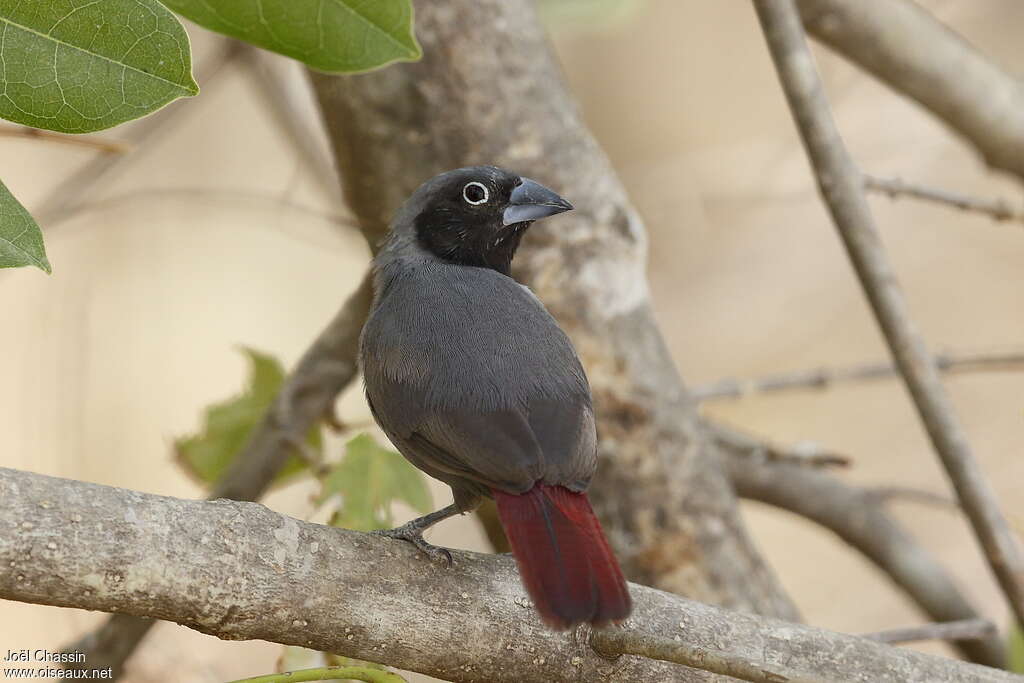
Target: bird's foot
column 413, row 533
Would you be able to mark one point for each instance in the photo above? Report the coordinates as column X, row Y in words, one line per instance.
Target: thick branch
column 912, row 52
column 859, row 518
column 240, row 571
column 841, row 186
column 489, row 90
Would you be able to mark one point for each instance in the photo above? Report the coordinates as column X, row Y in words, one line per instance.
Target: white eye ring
column 465, row 193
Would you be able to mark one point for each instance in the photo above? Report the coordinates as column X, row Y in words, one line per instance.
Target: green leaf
column 1016, row 649
column 77, row 66
column 21, row 242
column 329, row 35
column 228, row 424
column 368, row 478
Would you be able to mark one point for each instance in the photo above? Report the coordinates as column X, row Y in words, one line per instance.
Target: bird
column 475, row 383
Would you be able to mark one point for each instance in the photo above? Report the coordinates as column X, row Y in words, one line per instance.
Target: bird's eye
column 475, row 193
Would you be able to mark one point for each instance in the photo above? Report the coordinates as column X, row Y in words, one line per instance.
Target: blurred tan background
column 187, row 252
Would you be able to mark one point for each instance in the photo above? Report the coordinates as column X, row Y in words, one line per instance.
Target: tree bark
column 240, row 571
column 489, row 91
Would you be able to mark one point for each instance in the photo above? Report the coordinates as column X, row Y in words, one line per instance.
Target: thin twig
column 64, row 198
column 841, row 186
column 996, row 209
column 313, row 460
column 965, row 629
column 90, row 141
column 806, row 454
column 888, row 494
column 622, row 642
column 858, row 517
column 239, row 199
column 824, row 378
column 283, row 87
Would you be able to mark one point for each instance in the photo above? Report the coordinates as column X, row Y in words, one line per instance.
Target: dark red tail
column 564, row 560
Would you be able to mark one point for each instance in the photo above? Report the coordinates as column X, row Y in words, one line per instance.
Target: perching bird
column 474, row 382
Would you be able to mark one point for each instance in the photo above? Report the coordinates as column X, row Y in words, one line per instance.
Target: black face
column 477, row 216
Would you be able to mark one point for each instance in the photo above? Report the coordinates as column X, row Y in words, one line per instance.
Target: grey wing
column 511, row 450
column 549, row 441
column 502, row 403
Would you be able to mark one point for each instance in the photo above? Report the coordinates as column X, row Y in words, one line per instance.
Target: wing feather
column 488, row 397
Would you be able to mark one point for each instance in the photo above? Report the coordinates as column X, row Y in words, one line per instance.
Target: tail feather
column 563, row 557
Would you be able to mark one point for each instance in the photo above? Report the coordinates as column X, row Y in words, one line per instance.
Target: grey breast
column 475, row 382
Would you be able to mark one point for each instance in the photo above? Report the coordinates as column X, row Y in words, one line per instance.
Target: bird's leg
column 413, row 533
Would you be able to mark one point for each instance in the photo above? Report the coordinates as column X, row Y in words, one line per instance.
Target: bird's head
column 476, row 216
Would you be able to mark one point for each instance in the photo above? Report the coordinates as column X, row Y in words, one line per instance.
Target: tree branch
column 88, row 141
column 614, row 643
column 824, row 378
column 912, row 52
column 286, row 95
column 306, row 397
column 967, row 629
column 737, row 442
column 996, row 209
column 236, row 198
column 858, row 517
column 841, row 186
column 888, row 493
column 240, row 571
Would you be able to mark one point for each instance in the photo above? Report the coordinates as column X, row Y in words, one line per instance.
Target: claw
column 434, row 553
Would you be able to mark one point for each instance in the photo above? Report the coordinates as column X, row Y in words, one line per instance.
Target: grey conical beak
column 531, row 201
